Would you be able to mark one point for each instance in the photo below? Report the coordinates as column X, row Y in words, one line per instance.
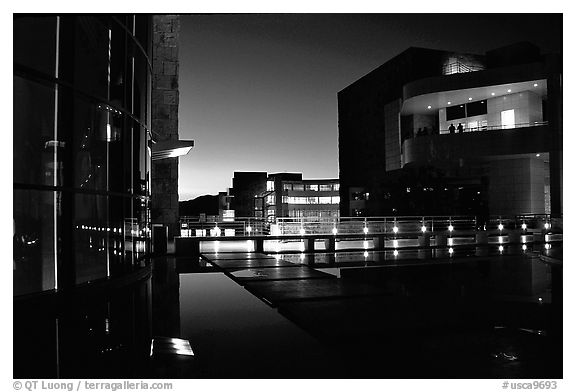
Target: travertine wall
column 164, row 208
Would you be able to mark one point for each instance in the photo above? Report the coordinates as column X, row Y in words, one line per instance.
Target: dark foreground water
column 464, row 314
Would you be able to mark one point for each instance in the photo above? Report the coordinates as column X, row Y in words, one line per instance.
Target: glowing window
column 508, row 120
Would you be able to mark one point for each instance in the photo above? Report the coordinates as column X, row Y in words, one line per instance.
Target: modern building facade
column 83, row 145
column 81, row 161
column 435, row 132
column 284, row 195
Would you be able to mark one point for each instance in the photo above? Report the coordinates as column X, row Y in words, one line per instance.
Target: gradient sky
column 258, row 92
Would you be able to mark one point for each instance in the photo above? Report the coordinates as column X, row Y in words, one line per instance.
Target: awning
column 171, row 149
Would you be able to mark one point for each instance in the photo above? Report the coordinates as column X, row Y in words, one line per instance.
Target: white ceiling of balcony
column 431, row 103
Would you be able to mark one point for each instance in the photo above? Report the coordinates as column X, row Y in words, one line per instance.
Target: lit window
column 325, row 200
column 325, row 187
column 287, row 186
column 508, row 120
column 335, row 199
column 336, row 187
column 312, row 187
column 270, row 185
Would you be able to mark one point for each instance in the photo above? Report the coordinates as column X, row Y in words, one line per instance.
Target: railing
column 191, row 226
column 402, row 225
column 480, row 128
column 412, row 224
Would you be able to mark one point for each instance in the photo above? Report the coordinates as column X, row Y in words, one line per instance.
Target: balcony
column 479, row 142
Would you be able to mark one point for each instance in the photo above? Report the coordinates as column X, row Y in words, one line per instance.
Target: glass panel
column 33, row 135
column 90, row 50
column 120, row 79
column 35, row 43
column 34, row 241
column 455, row 112
column 476, row 108
column 91, row 237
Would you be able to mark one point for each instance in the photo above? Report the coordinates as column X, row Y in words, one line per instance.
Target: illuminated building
column 284, row 195
column 397, row 154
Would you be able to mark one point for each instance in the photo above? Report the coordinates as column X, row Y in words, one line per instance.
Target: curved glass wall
column 80, row 142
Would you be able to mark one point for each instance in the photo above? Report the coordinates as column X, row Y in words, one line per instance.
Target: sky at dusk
column 258, row 92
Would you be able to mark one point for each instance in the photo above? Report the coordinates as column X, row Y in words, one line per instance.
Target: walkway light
column 500, row 248
column 395, row 229
column 450, row 228
column 395, row 252
column 450, row 250
column 423, row 228
column 500, row 227
column 523, row 226
column 524, row 247
column 365, row 230
column 249, row 229
column 547, row 225
column 302, row 231
column 334, row 231
column 365, row 254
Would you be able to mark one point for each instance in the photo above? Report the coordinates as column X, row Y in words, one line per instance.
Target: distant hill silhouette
column 207, row 204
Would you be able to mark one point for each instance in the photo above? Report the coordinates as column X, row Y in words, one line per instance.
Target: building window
column 508, row 120
column 325, row 187
column 335, row 199
column 270, row 185
column 298, row 187
column 324, row 200
column 287, row 186
column 477, row 108
column 455, row 112
column 312, row 187
column 336, row 187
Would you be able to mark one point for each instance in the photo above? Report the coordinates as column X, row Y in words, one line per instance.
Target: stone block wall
column 165, row 99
